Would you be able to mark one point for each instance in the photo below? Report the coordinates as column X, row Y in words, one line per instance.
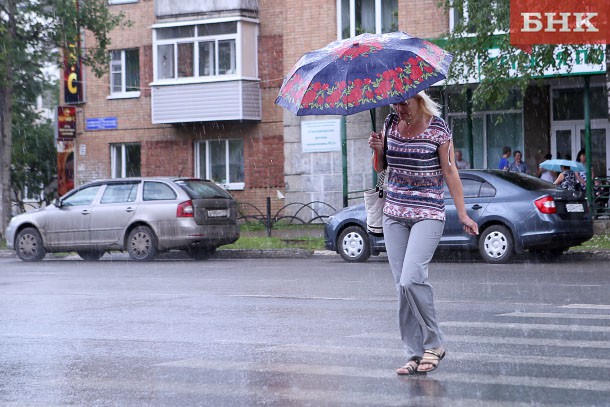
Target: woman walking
column 420, row 159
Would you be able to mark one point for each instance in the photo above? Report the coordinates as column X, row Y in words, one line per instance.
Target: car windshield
column 523, row 180
column 199, row 189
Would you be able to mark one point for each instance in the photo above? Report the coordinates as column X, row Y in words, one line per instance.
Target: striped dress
column 414, row 175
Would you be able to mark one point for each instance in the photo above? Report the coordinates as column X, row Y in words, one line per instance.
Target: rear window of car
column 117, row 193
column 157, row 191
column 199, row 189
column 523, row 180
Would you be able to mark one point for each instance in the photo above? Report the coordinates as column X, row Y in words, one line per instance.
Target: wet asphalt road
column 297, row 332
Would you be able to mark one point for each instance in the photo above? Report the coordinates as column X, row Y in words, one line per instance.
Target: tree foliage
column 480, row 43
column 31, row 33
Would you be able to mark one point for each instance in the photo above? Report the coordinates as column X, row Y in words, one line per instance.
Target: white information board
column 321, row 135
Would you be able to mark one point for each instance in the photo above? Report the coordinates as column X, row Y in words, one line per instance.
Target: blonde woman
column 420, row 159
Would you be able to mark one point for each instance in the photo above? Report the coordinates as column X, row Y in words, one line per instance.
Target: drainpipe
column 469, row 127
column 344, row 158
column 586, row 103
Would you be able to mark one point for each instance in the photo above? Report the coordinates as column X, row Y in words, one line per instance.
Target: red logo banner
column 559, row 22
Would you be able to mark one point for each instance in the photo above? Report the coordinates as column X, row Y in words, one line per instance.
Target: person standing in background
column 518, row 165
column 504, row 162
column 547, row 175
column 460, row 163
column 581, row 157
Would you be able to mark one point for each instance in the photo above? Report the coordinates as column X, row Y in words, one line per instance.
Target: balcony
column 171, row 8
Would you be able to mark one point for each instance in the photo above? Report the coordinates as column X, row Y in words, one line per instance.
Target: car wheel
column 90, row 255
column 29, row 245
column 200, row 253
column 354, row 245
column 142, row 244
column 496, row 244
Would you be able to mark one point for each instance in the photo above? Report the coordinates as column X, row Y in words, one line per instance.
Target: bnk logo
column 559, row 22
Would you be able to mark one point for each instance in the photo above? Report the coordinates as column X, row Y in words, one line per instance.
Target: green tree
column 31, row 32
column 481, row 26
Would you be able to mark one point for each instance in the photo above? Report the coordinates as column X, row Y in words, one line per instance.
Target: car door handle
column 476, row 207
column 129, row 209
column 85, row 212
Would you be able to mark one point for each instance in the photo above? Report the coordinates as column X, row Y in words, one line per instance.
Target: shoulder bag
column 374, row 199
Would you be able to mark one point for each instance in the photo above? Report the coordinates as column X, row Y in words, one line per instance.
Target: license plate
column 575, row 208
column 217, row 213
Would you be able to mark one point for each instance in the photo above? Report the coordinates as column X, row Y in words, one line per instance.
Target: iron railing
column 295, row 213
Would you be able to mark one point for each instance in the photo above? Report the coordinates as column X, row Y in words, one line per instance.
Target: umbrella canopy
column 555, row 165
column 362, row 73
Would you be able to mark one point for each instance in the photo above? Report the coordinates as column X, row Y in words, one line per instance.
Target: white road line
column 586, row 306
column 275, row 395
column 554, row 315
column 505, row 340
column 527, row 327
column 360, row 372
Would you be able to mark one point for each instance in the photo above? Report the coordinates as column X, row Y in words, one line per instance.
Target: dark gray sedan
column 515, row 213
column 142, row 216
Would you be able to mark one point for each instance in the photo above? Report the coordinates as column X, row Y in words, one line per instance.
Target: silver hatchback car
column 143, row 216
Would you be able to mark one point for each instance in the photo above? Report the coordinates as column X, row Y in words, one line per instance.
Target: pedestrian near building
column 420, row 159
column 504, row 161
column 518, row 165
column 460, row 163
column 569, row 179
column 547, row 175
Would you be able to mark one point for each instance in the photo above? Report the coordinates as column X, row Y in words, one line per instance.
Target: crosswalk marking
column 586, row 306
column 554, row 315
column 357, row 371
column 527, row 327
column 267, row 395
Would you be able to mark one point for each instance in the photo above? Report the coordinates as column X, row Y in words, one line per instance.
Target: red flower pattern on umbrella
column 362, row 73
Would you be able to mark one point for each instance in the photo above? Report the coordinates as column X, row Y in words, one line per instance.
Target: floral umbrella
column 362, row 73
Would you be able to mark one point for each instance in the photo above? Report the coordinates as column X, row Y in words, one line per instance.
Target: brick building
column 192, row 85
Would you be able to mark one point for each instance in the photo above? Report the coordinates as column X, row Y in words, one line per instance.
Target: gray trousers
column 410, row 247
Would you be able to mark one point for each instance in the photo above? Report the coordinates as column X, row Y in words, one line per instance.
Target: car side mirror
column 57, row 203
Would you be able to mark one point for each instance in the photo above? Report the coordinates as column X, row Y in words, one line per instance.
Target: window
column 157, row 191
column 83, row 197
column 221, row 161
column 125, row 73
column 125, row 160
column 372, row 16
column 201, row 50
column 119, row 193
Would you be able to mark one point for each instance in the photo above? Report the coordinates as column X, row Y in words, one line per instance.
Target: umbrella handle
column 372, row 112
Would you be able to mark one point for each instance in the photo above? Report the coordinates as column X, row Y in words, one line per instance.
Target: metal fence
column 601, row 193
column 295, row 213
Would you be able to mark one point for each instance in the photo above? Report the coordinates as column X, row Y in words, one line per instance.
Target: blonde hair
column 428, row 105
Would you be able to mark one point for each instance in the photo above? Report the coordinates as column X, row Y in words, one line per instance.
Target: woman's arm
column 452, row 178
column 560, row 178
column 376, row 143
column 579, row 178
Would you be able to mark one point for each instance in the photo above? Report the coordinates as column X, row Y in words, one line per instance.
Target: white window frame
column 123, row 94
column 205, row 172
column 116, row 149
column 196, row 40
column 352, row 18
column 111, row 2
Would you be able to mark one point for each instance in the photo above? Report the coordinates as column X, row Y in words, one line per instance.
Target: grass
column 598, row 242
column 263, row 242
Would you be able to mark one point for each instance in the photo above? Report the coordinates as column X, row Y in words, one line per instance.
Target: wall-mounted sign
column 101, row 123
column 321, row 135
column 66, row 122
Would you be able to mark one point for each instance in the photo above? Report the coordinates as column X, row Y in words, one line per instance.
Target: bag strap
column 381, row 174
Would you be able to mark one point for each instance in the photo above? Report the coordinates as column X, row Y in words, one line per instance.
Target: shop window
column 125, row 160
column 125, row 73
column 221, row 161
column 372, row 16
column 568, row 104
column 202, row 50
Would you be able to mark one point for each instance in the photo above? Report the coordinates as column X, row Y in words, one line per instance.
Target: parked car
column 515, row 213
column 143, row 216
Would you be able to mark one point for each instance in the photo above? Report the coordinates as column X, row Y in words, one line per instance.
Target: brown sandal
column 410, row 368
column 431, row 357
